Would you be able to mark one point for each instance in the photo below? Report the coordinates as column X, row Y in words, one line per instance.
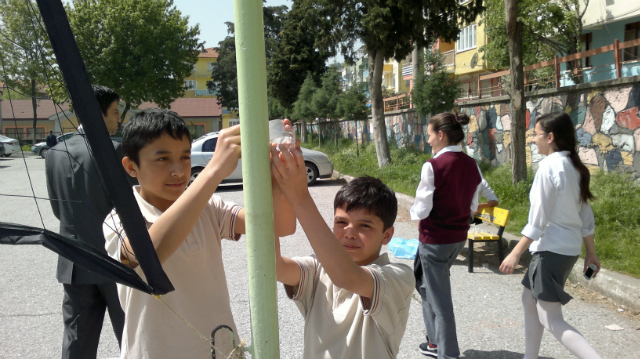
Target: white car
column 11, row 145
column 318, row 164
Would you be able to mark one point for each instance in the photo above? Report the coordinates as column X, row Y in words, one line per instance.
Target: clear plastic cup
column 279, row 135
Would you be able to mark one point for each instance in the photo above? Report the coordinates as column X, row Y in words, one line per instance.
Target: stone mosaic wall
column 606, row 120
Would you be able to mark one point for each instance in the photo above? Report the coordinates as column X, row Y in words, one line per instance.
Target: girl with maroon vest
column 560, row 220
column 445, row 199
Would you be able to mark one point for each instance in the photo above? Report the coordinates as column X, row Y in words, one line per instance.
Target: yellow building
column 392, row 75
column 463, row 59
column 196, row 84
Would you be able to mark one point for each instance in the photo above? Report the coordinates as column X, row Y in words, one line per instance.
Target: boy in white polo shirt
column 186, row 227
column 354, row 301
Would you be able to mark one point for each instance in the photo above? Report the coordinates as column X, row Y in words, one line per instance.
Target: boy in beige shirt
column 354, row 301
column 186, row 226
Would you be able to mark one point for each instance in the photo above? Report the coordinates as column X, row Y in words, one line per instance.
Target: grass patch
column 26, row 148
column 617, row 221
column 403, row 175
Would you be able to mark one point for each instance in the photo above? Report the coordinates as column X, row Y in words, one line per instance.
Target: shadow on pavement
column 496, row 354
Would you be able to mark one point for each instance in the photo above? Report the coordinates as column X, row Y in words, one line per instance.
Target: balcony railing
column 399, row 102
column 449, row 57
column 201, row 73
column 205, row 93
column 557, row 78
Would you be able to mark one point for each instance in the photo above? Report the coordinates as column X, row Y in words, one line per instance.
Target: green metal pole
column 256, row 174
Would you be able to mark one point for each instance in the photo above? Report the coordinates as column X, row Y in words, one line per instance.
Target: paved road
column 487, row 304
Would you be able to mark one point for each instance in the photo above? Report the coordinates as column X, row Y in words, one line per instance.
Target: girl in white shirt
column 560, row 220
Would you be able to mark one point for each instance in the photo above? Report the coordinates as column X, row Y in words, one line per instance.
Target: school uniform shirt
column 558, row 219
column 337, row 322
column 487, row 192
column 201, row 297
column 424, row 194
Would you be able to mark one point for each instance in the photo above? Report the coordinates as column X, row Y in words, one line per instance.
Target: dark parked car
column 1, row 149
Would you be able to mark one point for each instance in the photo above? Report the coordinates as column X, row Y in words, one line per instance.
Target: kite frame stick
column 86, row 107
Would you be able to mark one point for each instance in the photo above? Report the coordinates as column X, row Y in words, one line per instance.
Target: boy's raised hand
column 289, row 171
column 227, row 152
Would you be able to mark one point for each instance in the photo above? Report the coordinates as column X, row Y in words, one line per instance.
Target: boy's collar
column 149, row 212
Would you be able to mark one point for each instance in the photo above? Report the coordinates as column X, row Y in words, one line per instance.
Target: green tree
column 276, row 111
column 25, row 53
column 303, row 108
column 388, row 29
column 224, row 75
column 549, row 28
column 434, row 90
column 296, row 55
column 352, row 106
column 143, row 49
column 325, row 99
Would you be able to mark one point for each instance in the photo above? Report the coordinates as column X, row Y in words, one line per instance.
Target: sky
column 211, row 16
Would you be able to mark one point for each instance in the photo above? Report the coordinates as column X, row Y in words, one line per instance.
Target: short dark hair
column 105, row 97
column 370, row 194
column 148, row 125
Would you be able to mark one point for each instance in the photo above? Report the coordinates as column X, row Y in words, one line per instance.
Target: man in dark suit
column 81, row 203
column 51, row 140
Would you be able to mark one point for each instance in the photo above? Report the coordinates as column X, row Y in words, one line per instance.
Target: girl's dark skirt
column 547, row 274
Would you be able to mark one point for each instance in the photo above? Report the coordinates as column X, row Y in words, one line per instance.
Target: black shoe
column 429, row 350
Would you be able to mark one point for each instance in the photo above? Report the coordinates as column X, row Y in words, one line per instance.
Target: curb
column 621, row 288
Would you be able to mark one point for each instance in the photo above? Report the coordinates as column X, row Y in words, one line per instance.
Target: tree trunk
column 518, row 114
column 415, row 67
column 127, row 107
column 376, row 63
column 319, row 135
column 34, row 103
column 335, row 132
column 303, row 131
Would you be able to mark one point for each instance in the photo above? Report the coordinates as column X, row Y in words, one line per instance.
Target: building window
column 16, row 133
column 466, row 38
column 586, row 43
column 631, row 32
column 39, row 133
column 234, row 121
column 210, row 66
column 190, row 85
column 407, row 83
column 193, row 68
